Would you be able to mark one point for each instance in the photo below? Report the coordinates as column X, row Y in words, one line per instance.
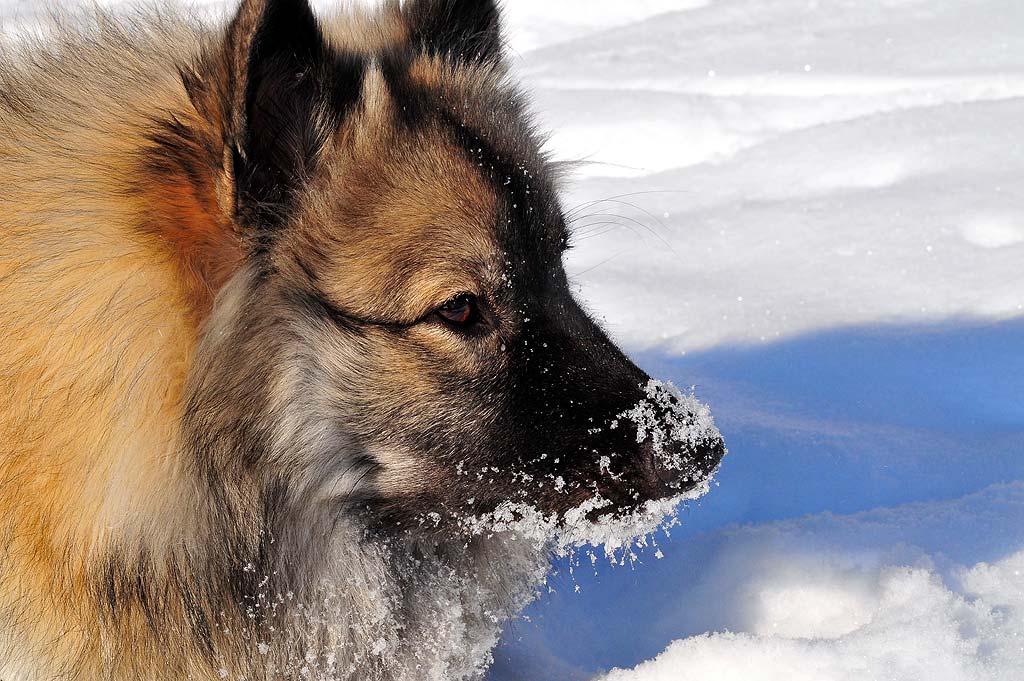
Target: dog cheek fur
column 304, row 481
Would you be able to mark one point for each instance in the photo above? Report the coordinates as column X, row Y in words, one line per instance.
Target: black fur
column 466, row 30
column 297, row 92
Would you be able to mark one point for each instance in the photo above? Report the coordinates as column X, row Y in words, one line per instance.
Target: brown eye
column 461, row 311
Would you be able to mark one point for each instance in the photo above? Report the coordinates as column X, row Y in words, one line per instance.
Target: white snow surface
column 756, row 170
column 830, row 598
column 793, row 165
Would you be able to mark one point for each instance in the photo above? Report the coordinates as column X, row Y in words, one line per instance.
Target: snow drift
column 868, row 596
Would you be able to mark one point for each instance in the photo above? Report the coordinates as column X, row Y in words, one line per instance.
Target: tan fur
column 379, row 265
column 97, row 327
column 360, row 30
column 102, row 292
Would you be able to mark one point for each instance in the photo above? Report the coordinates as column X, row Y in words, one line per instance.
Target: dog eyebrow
column 519, row 184
column 319, row 305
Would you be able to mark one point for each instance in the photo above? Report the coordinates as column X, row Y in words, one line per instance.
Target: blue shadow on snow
column 843, row 421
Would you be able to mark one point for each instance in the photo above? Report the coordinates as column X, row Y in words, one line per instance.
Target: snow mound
column 761, row 170
column 827, row 599
column 905, row 625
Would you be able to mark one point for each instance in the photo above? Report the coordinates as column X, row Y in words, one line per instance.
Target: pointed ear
column 288, row 92
column 463, row 30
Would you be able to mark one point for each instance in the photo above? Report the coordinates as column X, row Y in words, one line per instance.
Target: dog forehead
column 488, row 119
column 399, row 229
column 414, row 208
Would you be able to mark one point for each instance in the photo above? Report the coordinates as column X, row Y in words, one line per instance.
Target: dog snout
column 678, row 445
column 668, row 469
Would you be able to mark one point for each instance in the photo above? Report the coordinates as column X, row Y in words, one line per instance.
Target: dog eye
column 461, row 311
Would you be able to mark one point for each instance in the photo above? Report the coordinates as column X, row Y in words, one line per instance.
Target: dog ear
column 287, row 93
column 220, row 179
column 463, row 30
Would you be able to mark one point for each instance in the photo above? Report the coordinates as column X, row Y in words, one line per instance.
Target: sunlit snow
column 855, row 597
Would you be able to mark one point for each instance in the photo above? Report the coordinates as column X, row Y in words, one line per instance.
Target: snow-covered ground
column 816, row 216
column 874, row 472
column 812, row 210
column 815, row 164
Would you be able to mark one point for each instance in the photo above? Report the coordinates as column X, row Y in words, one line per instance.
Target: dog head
column 398, row 329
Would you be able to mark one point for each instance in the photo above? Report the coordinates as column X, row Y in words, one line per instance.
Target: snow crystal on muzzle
column 666, row 416
column 669, row 416
column 617, row 533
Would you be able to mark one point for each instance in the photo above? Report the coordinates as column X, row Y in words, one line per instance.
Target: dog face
column 401, row 332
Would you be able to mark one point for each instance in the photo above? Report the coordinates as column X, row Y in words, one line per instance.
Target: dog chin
column 595, row 525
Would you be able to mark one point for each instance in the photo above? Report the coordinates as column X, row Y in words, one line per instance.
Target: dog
column 282, row 310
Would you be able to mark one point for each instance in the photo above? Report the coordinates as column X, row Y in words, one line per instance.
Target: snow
column 794, row 166
column 573, row 535
column 668, row 415
column 852, row 598
column 812, row 211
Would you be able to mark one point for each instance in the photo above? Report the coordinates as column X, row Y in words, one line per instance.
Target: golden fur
column 108, row 270
column 229, row 394
column 98, row 327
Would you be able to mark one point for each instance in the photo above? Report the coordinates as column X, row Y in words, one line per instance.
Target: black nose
column 676, row 446
column 667, row 469
column 658, row 470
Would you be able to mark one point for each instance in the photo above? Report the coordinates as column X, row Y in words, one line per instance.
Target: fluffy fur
column 227, row 398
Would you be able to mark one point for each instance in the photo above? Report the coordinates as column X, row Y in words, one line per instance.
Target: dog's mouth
column 611, row 486
column 666, row 445
column 676, row 451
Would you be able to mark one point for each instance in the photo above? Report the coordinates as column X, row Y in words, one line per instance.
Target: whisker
column 600, row 264
column 639, row 210
column 594, row 227
column 639, row 224
column 628, row 195
column 602, row 228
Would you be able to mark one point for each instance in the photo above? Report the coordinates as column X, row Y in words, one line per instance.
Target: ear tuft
column 463, row 30
column 284, row 92
column 275, row 141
